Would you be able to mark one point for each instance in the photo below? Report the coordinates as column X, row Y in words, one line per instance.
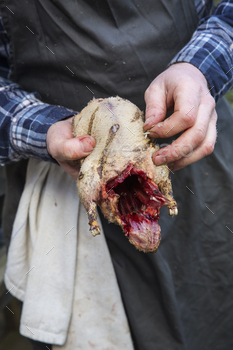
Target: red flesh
column 139, row 206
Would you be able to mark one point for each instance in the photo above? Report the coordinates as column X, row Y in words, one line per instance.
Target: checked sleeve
column 211, row 49
column 24, row 122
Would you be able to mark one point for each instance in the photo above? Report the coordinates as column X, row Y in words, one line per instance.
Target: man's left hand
column 184, row 88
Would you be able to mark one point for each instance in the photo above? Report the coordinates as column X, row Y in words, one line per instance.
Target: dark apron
column 180, row 297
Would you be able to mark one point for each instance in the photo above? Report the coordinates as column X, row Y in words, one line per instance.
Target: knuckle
column 174, row 152
column 200, row 134
column 150, row 109
column 188, row 118
column 149, row 91
column 208, row 148
column 155, row 108
column 199, row 88
column 196, row 88
column 210, row 101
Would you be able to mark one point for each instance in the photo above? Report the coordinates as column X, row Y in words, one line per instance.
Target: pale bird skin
column 119, row 174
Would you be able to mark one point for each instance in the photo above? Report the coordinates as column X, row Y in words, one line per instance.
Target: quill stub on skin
column 119, row 174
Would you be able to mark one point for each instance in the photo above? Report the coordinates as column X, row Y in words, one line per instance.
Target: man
column 119, row 50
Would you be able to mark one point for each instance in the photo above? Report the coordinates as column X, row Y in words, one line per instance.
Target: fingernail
column 159, row 160
column 86, row 143
column 154, row 134
column 149, row 120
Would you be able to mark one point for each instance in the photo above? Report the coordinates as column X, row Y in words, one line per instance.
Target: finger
column 63, row 128
column 155, row 98
column 75, row 148
column 187, row 100
column 190, row 139
column 176, row 123
column 71, row 169
column 204, row 149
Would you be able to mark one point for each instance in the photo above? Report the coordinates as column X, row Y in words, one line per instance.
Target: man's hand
column 66, row 149
column 183, row 87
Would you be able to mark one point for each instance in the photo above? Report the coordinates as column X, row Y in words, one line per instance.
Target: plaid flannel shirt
column 25, row 120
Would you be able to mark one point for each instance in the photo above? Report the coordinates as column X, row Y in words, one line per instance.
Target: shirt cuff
column 212, row 55
column 29, row 129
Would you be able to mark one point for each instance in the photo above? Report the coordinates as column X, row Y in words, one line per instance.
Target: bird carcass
column 119, row 174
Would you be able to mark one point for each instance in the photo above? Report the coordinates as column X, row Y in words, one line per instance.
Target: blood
column 139, row 199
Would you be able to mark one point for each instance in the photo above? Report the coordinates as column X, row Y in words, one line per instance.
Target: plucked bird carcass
column 119, row 174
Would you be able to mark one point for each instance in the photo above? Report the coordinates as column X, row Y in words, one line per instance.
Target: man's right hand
column 65, row 148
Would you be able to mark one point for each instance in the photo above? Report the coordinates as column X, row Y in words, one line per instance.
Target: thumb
column 156, row 104
column 76, row 148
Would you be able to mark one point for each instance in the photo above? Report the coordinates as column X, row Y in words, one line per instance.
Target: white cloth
column 63, row 275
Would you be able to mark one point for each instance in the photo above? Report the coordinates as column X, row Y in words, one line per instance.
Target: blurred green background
column 229, row 95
